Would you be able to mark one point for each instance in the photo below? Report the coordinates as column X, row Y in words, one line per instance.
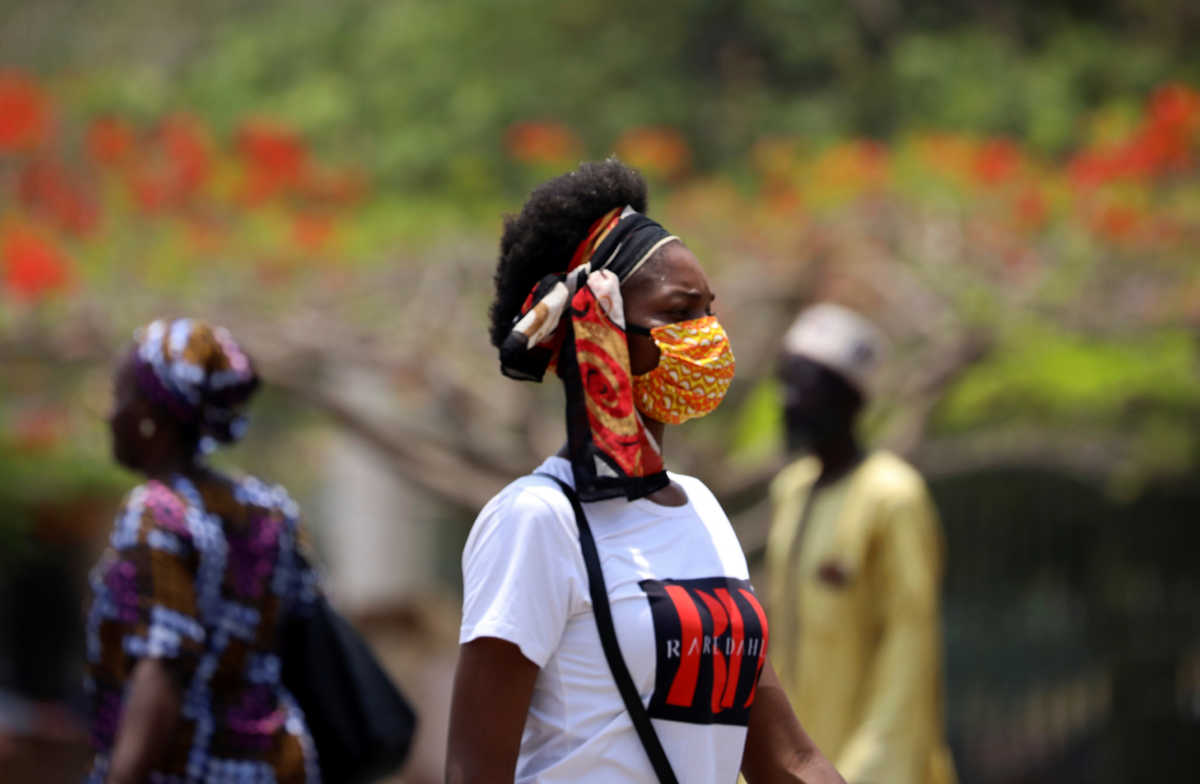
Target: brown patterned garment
column 199, row 573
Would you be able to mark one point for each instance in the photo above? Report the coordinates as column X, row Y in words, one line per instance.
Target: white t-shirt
column 692, row 634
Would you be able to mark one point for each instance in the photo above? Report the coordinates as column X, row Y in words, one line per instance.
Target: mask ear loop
column 638, row 329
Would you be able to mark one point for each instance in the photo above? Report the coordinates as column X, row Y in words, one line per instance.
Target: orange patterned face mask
column 694, row 371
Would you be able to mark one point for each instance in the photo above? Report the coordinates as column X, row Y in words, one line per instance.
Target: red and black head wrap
column 612, row 453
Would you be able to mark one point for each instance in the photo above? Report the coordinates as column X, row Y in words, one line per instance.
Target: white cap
column 839, row 339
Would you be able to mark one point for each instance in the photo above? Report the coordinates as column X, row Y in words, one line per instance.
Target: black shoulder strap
column 608, row 640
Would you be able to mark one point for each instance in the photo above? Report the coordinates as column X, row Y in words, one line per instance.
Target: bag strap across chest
column 608, row 641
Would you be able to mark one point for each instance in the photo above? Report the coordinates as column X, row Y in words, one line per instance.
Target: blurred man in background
column 855, row 561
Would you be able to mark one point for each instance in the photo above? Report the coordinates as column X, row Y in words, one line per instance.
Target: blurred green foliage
column 1048, row 376
column 1140, row 388
column 41, row 488
column 421, row 93
column 758, row 433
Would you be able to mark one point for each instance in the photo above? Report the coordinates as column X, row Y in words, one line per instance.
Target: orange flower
column 24, row 112
column 1170, row 129
column 33, row 267
column 1176, row 106
column 775, row 158
column 1031, row 210
column 151, row 192
column 850, row 167
column 312, row 231
column 110, row 140
column 949, row 154
column 1161, row 145
column 174, row 169
column 275, row 157
column 657, row 150
column 47, row 188
column 542, row 142
column 1090, row 168
column 1117, row 222
column 186, row 145
column 783, row 199
column 273, row 148
column 997, row 162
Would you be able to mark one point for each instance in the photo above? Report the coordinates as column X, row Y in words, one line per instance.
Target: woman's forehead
column 676, row 269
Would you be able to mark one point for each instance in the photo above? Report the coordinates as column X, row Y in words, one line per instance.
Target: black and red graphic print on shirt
column 710, row 646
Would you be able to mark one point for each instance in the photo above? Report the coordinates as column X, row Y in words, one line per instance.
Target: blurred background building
column 1011, row 189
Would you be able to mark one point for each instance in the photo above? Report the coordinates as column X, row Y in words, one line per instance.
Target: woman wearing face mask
column 609, row 631
column 182, row 632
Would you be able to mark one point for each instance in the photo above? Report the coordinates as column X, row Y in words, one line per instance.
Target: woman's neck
column 838, row 457
column 672, row 494
column 656, row 431
column 190, row 467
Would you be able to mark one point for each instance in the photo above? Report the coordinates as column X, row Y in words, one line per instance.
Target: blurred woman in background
column 639, row 655
column 183, row 667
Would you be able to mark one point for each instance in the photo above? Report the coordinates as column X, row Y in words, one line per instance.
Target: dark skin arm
column 492, row 689
column 778, row 750
column 152, row 707
column 493, row 686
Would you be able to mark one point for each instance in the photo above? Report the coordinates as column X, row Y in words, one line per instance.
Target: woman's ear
column 643, row 353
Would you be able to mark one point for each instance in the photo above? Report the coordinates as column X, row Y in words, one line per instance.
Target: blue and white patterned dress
column 199, row 574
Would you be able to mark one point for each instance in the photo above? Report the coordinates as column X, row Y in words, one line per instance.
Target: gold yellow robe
column 855, row 627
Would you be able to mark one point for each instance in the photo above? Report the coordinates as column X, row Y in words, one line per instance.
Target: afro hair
column 541, row 239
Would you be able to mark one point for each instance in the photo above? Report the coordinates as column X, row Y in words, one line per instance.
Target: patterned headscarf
column 612, row 454
column 197, row 373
